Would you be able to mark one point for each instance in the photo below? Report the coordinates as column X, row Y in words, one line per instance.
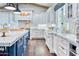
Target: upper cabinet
column 26, row 17
column 41, row 18
column 66, row 17
column 69, row 10
column 50, row 12
column 61, row 19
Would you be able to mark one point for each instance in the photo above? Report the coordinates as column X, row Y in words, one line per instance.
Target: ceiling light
column 10, row 6
column 24, row 13
column 17, row 11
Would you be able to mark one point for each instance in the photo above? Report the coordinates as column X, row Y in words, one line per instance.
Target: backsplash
column 24, row 23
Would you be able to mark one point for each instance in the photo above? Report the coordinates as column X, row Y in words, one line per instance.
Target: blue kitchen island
column 15, row 43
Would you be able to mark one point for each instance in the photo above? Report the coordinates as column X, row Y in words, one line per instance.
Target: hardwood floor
column 37, row 47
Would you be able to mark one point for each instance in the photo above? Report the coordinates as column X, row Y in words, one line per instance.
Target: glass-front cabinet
column 65, row 18
column 61, row 19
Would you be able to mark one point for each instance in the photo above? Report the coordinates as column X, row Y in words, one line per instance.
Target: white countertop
column 11, row 37
column 43, row 28
column 69, row 37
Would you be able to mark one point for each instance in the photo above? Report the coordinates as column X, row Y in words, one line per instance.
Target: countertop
column 69, row 37
column 43, row 28
column 11, row 37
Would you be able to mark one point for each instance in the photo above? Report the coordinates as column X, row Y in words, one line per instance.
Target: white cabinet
column 41, row 18
column 55, row 44
column 19, row 17
column 77, row 50
column 61, row 46
column 49, row 41
column 36, row 33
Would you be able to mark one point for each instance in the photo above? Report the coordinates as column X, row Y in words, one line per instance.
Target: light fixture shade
column 10, row 6
column 24, row 13
column 17, row 11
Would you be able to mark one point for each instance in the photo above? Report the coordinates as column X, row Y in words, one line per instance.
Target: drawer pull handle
column 62, row 48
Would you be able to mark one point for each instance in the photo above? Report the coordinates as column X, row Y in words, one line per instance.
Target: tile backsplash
column 24, row 23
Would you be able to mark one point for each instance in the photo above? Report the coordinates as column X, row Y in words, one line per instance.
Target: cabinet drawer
column 64, row 43
column 77, row 51
column 65, row 46
column 62, row 51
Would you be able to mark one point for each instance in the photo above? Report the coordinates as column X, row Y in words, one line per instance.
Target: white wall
column 39, row 15
column 26, row 7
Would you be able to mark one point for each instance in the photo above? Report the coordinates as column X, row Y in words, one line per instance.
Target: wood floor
column 37, row 47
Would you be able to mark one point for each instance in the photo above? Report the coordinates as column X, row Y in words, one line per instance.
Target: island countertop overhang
column 12, row 37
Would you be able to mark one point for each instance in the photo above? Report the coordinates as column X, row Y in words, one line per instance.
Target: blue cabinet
column 19, row 48
column 25, row 44
column 12, row 50
column 8, row 51
column 22, row 45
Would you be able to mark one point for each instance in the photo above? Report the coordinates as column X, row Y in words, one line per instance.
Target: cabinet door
column 77, row 49
column 36, row 33
column 20, row 47
column 50, row 41
column 47, row 41
column 19, row 17
column 12, row 50
column 40, row 33
column 55, row 44
column 32, row 33
column 63, row 47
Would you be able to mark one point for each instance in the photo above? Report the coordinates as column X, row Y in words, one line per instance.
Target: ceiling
column 44, row 5
column 2, row 4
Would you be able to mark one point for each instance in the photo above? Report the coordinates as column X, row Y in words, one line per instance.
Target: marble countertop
column 43, row 28
column 69, row 37
column 11, row 37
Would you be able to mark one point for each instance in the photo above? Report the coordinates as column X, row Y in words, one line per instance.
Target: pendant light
column 24, row 13
column 17, row 11
column 10, row 6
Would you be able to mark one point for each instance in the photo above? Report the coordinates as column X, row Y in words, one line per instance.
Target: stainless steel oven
column 72, row 49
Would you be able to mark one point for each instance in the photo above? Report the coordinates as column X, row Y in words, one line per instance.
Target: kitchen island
column 15, row 43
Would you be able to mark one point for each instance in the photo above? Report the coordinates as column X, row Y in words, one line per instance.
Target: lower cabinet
column 19, row 48
column 49, row 41
column 8, row 51
column 36, row 33
column 77, row 48
column 12, row 50
column 55, row 46
column 26, row 38
column 61, row 46
column 22, row 45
